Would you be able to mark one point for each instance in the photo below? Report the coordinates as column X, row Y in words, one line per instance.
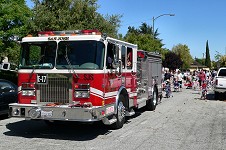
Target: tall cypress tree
column 207, row 60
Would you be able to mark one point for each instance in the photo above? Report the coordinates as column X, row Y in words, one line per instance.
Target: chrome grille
column 55, row 91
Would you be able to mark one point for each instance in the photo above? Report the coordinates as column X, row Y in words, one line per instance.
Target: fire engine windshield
column 67, row 55
column 80, row 55
column 38, row 55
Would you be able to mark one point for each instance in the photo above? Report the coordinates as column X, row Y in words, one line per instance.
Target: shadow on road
column 2, row 117
column 211, row 96
column 64, row 130
column 222, row 96
column 73, row 131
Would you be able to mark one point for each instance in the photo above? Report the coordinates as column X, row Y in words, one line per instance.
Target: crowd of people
column 198, row 80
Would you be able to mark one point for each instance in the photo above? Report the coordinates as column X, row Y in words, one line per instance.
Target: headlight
column 85, row 94
column 81, row 94
column 15, row 112
column 81, row 90
column 28, row 93
column 78, row 94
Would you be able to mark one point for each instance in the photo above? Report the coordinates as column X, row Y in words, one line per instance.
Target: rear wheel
column 216, row 95
column 151, row 103
column 120, row 116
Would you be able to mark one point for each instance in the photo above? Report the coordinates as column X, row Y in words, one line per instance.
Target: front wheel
column 152, row 103
column 120, row 116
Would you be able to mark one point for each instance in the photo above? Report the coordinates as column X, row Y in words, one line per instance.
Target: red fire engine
column 84, row 76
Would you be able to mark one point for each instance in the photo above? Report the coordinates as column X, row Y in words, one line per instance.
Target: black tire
column 152, row 103
column 120, row 116
column 221, row 96
column 216, row 95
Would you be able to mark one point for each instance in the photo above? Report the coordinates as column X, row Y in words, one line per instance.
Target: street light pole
column 153, row 22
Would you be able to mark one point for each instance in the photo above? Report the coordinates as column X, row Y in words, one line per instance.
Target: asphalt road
column 180, row 122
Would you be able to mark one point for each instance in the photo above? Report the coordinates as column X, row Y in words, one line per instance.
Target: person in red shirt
column 202, row 77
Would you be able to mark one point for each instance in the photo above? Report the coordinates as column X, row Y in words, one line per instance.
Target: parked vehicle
column 88, row 77
column 8, row 94
column 220, row 82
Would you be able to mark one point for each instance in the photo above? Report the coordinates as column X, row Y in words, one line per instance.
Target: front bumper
column 220, row 90
column 60, row 112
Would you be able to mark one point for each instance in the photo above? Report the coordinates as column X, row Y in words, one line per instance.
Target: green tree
column 14, row 18
column 143, row 37
column 200, row 60
column 145, row 29
column 72, row 15
column 207, row 60
column 172, row 61
column 223, row 60
column 132, row 30
column 144, row 42
column 184, row 53
column 217, row 56
column 216, row 64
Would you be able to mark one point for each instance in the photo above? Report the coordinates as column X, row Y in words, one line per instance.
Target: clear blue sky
column 195, row 21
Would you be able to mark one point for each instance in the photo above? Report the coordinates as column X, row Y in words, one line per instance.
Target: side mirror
column 5, row 66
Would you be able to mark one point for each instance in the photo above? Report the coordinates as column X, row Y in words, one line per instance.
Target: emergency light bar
column 90, row 32
column 69, row 33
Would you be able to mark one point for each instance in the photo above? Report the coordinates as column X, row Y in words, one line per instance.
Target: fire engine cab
column 84, row 76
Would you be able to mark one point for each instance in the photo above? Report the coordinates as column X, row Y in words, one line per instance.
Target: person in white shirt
column 180, row 78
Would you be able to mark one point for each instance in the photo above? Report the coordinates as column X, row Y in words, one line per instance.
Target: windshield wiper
column 34, row 66
column 69, row 63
